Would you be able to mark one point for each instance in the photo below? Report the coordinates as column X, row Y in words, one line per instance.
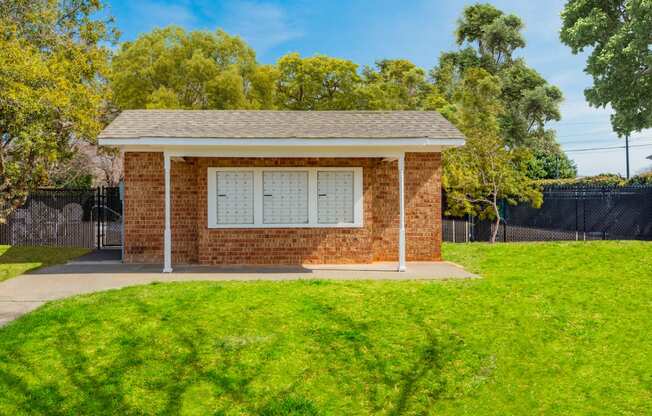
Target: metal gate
column 109, row 217
column 90, row 218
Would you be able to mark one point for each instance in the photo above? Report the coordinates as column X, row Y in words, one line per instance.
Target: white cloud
column 262, row 25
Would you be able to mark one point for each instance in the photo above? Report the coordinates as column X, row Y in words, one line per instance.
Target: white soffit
column 280, row 142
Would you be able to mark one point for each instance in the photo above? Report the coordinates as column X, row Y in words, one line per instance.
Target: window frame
column 358, row 197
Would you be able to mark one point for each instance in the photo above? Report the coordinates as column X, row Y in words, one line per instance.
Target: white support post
column 167, row 234
column 401, row 196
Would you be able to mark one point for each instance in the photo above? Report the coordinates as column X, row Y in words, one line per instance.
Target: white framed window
column 285, row 197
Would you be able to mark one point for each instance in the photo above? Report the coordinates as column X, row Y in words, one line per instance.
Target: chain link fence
column 568, row 213
column 90, row 218
column 93, row 218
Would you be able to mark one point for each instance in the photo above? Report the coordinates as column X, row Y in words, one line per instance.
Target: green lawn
column 18, row 260
column 555, row 329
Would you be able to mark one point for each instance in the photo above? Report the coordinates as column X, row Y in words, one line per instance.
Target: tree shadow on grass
column 429, row 372
column 48, row 397
column 95, row 382
column 95, row 385
column 431, row 358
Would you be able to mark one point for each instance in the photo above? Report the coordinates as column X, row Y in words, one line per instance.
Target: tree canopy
column 57, row 79
column 52, row 63
column 394, row 84
column 495, row 34
column 488, row 39
column 316, row 83
column 173, row 68
column 501, row 104
column 619, row 35
column 484, row 172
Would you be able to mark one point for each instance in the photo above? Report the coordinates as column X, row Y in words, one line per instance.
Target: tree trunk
column 494, row 232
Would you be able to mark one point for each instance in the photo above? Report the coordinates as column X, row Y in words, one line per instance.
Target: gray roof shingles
column 133, row 124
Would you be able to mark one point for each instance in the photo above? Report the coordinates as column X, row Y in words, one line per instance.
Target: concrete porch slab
column 25, row 293
column 374, row 271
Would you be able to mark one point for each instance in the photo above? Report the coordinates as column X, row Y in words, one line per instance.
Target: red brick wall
column 185, row 212
column 194, row 242
column 422, row 208
column 144, row 199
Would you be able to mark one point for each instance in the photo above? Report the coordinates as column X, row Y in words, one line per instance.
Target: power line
column 588, row 149
column 607, row 151
column 605, row 148
column 638, row 139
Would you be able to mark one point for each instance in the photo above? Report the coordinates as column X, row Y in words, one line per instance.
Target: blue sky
column 364, row 31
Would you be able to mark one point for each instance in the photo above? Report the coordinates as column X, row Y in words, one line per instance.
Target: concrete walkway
column 25, row 293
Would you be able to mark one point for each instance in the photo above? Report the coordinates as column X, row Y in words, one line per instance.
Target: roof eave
column 281, row 142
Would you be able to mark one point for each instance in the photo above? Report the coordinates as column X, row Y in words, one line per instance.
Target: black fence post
column 584, row 218
column 577, row 219
column 98, row 202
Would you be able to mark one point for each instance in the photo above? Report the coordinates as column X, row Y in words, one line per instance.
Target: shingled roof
column 134, row 124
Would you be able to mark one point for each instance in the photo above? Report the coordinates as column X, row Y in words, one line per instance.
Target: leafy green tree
column 549, row 164
column 172, row 68
column 602, row 179
column 316, row 83
column 394, row 84
column 52, row 62
column 484, row 172
column 495, row 34
column 530, row 102
column 619, row 34
column 489, row 39
column 644, row 178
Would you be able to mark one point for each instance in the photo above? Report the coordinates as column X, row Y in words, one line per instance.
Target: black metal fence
column 89, row 218
column 110, row 217
column 93, row 218
column 567, row 213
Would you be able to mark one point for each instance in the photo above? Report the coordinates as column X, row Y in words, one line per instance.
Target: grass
column 554, row 328
column 18, row 260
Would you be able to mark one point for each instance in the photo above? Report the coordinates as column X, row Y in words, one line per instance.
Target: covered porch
column 390, row 158
column 220, row 188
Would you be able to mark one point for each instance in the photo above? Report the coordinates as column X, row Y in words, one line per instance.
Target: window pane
column 335, row 197
column 235, row 197
column 285, row 197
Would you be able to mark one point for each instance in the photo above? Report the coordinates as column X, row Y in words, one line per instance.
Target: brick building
column 281, row 187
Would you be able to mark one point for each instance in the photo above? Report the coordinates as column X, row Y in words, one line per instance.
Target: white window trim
column 358, row 204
